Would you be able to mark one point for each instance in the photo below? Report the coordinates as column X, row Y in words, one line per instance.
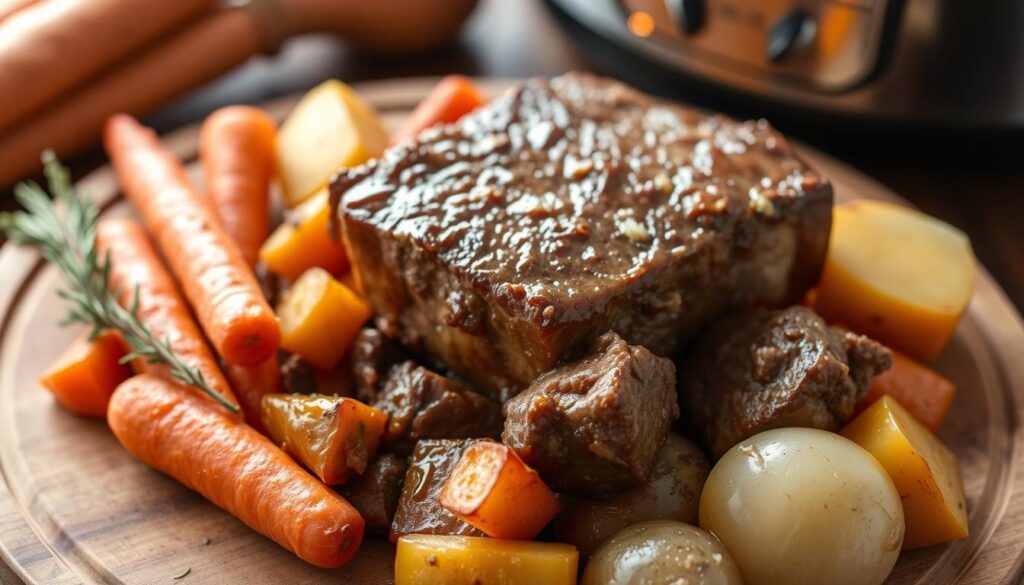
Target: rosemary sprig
column 64, row 230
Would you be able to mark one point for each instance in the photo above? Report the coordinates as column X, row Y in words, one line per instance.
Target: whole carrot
column 134, row 265
column 252, row 384
column 236, row 146
column 216, row 279
column 169, row 428
column 452, row 98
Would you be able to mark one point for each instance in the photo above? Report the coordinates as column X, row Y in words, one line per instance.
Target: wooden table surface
column 973, row 181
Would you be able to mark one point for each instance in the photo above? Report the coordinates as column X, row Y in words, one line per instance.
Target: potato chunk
column 335, row 437
column 424, row 559
column 896, row 275
column 330, row 127
column 925, row 472
column 297, row 246
column 320, row 318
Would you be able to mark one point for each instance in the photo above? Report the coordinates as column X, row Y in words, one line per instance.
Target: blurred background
column 925, row 96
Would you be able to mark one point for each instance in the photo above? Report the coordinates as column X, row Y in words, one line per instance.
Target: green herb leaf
column 64, row 231
column 182, row 574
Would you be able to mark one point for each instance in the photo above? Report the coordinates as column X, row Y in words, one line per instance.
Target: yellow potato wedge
column 925, row 472
column 331, row 127
column 897, row 275
column 320, row 318
column 427, row 559
column 296, row 247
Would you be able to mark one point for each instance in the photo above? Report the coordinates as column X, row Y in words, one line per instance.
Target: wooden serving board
column 75, row 507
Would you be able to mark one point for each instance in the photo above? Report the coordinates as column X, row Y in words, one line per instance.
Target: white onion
column 804, row 506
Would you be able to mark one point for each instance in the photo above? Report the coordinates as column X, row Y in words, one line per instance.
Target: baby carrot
column 452, row 98
column 217, row 281
column 170, row 428
column 252, row 384
column 236, row 146
column 134, row 265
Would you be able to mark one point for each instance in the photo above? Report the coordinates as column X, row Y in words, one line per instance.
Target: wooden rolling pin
column 216, row 43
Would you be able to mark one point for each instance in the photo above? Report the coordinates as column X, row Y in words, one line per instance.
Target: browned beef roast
column 594, row 426
column 760, row 369
column 375, row 492
column 419, row 508
column 372, row 357
column 425, row 405
column 507, row 242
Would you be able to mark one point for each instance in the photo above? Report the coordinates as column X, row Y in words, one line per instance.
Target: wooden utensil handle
column 9, row 7
column 50, row 47
column 206, row 49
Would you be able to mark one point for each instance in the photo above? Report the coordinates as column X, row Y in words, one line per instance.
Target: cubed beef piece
column 672, row 493
column 761, row 369
column 509, row 241
column 297, row 376
column 419, row 508
column 594, row 426
column 376, row 491
column 422, row 404
column 372, row 356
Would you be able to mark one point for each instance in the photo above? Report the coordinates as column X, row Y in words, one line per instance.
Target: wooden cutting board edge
column 1004, row 335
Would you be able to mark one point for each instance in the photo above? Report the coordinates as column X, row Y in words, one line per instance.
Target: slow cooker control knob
column 791, row 33
column 687, row 14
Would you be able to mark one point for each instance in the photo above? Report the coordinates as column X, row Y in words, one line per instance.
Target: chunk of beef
column 672, row 493
column 422, row 404
column 376, row 491
column 297, row 376
column 419, row 508
column 760, row 369
column 272, row 286
column 594, row 426
column 509, row 241
column 372, row 357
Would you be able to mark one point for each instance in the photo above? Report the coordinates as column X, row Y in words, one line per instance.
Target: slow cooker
column 949, row 63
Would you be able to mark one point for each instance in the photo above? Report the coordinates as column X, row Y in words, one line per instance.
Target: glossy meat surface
column 419, row 509
column 566, row 208
column 672, row 493
column 422, row 404
column 594, row 426
column 758, row 370
column 375, row 492
column 372, row 357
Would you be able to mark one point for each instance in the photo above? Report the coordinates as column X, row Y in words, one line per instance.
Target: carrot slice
column 335, row 437
column 171, row 429
column 84, row 378
column 452, row 98
column 216, row 279
column 135, row 266
column 925, row 394
column 492, row 489
column 237, row 146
